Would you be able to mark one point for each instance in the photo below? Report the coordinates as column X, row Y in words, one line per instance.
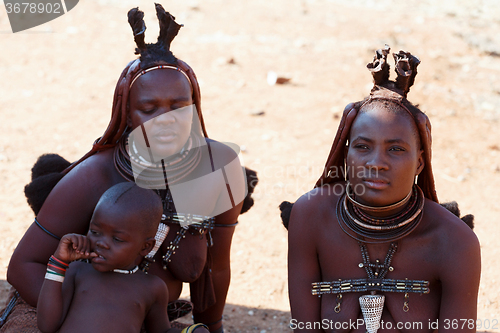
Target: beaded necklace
column 126, row 271
column 372, row 208
column 386, row 221
column 363, row 229
column 128, row 162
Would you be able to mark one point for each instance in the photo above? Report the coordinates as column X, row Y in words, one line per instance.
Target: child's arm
column 157, row 318
column 55, row 296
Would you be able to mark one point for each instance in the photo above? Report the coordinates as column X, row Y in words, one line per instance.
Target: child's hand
column 73, row 247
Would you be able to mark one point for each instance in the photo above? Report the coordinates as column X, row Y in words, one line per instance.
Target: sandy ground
column 58, row 79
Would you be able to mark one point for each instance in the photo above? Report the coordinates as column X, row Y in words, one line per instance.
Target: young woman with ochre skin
column 374, row 251
column 158, row 96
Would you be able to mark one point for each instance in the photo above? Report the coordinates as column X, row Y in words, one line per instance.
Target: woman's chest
column 405, row 273
column 398, row 313
column 184, row 252
column 203, row 193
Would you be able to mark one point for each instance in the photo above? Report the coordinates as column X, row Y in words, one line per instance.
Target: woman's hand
column 73, row 247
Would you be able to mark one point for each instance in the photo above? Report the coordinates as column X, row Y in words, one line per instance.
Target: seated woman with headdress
column 157, row 138
column 370, row 248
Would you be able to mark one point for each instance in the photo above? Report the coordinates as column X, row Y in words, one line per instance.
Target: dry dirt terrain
column 57, row 82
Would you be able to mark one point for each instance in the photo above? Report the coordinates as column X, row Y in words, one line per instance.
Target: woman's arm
column 460, row 274
column 303, row 265
column 221, row 269
column 224, row 158
column 67, row 209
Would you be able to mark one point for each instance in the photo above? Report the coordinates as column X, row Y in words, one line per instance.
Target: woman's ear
column 148, row 245
column 421, row 162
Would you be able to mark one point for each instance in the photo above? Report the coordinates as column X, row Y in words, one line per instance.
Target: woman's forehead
column 378, row 122
column 162, row 80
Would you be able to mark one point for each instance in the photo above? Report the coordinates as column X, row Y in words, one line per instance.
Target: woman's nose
column 165, row 117
column 377, row 160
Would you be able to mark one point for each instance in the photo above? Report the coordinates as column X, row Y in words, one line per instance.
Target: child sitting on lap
column 111, row 294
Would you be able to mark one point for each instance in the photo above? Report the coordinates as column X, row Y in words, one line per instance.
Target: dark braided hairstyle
column 150, row 55
column 393, row 95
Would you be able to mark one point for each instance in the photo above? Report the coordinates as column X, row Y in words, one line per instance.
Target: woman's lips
column 165, row 137
column 376, row 184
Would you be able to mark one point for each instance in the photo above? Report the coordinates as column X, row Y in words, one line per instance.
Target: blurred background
column 57, row 83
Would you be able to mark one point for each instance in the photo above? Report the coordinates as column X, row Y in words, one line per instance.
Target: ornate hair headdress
column 151, row 55
column 406, row 70
column 168, row 30
column 395, row 92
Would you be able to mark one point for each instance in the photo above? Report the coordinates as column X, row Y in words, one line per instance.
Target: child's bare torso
column 108, row 302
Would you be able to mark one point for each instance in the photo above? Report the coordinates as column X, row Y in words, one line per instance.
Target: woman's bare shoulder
column 441, row 218
column 71, row 202
column 93, row 174
column 457, row 253
column 319, row 197
column 98, row 164
column 223, row 153
column 451, row 233
column 316, row 206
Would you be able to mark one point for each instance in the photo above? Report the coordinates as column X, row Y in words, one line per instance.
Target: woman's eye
column 149, row 110
column 397, row 149
column 360, row 146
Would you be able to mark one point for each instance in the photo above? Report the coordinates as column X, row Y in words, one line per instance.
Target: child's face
column 116, row 239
